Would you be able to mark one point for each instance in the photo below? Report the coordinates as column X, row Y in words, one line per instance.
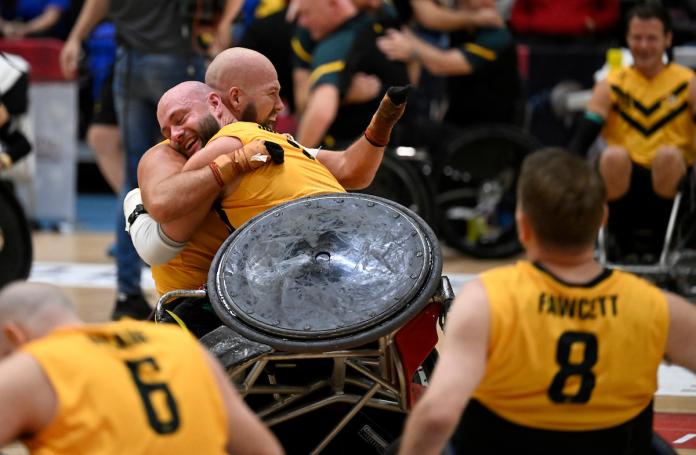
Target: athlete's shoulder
column 681, row 71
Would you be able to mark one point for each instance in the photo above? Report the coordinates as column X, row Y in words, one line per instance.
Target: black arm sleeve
column 15, row 143
column 587, row 131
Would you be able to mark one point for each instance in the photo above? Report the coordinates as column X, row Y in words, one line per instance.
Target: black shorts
column 195, row 312
column 104, row 112
column 482, row 431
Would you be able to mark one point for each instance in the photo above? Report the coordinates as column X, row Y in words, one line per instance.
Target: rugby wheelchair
column 330, row 307
column 15, row 238
column 466, row 190
column 665, row 256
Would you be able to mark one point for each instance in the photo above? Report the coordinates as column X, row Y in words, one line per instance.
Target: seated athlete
column 553, row 354
column 208, row 173
column 118, row 388
column 645, row 113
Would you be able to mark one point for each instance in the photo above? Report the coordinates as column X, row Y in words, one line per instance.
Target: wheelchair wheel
column 399, row 180
column 15, row 239
column 476, row 189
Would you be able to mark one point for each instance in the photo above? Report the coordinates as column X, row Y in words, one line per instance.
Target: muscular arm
column 354, row 168
column 181, row 192
column 300, row 81
column 405, row 46
column 47, row 19
column 458, row 371
column 600, row 102
column 168, row 192
column 436, row 17
column 91, row 13
column 27, row 400
column 246, row 433
column 321, row 110
column 681, row 339
column 223, row 32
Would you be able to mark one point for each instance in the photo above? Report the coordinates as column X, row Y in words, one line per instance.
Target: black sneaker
column 132, row 306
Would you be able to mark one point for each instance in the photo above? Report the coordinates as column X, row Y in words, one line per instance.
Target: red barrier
column 41, row 53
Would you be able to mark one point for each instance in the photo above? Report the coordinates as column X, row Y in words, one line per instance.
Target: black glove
column 276, row 151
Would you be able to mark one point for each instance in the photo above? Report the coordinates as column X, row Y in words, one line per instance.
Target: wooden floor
column 85, row 254
column 94, row 303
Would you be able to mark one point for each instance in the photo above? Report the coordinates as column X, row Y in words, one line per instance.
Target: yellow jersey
column 649, row 113
column 571, row 357
column 300, row 175
column 189, row 269
column 128, row 388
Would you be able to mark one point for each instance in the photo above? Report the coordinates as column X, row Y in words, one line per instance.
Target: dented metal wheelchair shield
column 325, row 272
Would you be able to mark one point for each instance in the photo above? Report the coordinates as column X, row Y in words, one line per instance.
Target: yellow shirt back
column 649, row 113
column 129, row 388
column 300, row 175
column 571, row 357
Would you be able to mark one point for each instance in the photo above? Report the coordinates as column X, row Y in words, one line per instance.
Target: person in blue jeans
column 155, row 52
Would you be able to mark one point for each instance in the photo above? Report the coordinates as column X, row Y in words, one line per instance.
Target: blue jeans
column 139, row 81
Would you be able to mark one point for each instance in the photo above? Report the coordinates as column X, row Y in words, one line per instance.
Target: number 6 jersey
column 129, row 388
column 571, row 357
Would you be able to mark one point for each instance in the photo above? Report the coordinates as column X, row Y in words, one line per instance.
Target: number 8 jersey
column 571, row 357
column 128, row 388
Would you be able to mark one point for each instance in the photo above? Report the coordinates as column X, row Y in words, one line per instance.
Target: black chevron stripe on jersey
column 648, row 110
column 648, row 131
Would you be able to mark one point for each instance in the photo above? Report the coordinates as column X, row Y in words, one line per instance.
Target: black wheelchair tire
column 398, row 181
column 513, row 145
column 15, row 239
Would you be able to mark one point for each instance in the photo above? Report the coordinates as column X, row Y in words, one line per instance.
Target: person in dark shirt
column 481, row 66
column 345, row 46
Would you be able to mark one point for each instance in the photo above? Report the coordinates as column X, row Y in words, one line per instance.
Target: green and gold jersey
column 129, row 388
column 649, row 113
column 571, row 357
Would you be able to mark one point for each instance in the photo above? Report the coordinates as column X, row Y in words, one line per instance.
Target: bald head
column 184, row 116
column 35, row 307
column 237, row 66
column 186, row 93
column 322, row 17
column 247, row 83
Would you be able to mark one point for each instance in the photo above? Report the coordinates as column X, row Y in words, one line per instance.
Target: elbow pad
column 153, row 245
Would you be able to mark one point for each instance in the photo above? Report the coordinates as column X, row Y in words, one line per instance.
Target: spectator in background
column 14, row 80
column 24, row 18
column 481, row 65
column 155, row 52
column 645, row 114
column 547, row 19
column 103, row 134
column 345, row 45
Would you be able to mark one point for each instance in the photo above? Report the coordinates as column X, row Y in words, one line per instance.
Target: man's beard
column 207, row 128
column 250, row 114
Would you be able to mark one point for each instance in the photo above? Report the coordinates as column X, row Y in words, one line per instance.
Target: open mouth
column 191, row 146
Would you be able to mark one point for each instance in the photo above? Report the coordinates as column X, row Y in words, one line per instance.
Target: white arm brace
column 153, row 245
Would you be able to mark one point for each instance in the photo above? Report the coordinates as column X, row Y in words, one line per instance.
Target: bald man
column 71, row 388
column 195, row 234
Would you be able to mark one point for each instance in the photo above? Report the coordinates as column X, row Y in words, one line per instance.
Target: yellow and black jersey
column 649, row 113
column 128, row 388
column 571, row 357
column 300, row 175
